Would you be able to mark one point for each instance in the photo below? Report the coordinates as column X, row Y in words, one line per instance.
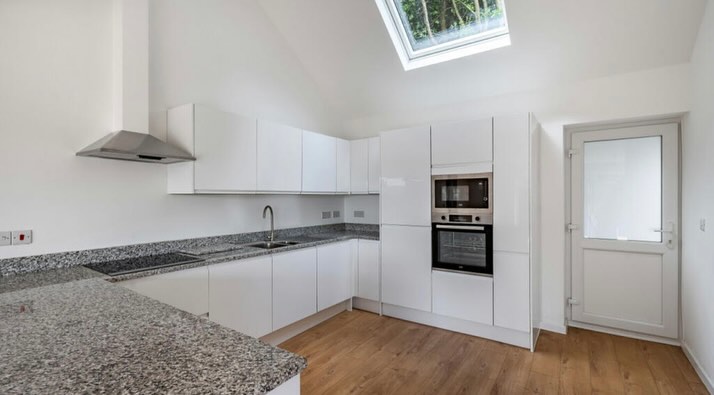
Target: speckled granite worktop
column 69, row 330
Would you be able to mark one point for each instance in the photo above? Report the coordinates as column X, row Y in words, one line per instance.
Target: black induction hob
column 142, row 263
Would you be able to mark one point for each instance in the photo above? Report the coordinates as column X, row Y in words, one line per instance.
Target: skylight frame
column 465, row 46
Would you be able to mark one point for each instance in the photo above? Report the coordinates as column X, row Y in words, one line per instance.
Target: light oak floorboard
column 362, row 353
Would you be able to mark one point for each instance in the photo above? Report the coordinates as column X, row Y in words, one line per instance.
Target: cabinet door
column 343, row 166
column 240, row 295
column 406, row 177
column 225, row 151
column 368, row 270
column 359, row 166
column 186, row 290
column 463, row 296
column 511, row 215
column 406, row 266
column 334, row 265
column 294, row 286
column 511, row 292
column 462, row 143
column 319, row 163
column 279, row 157
column 374, row 164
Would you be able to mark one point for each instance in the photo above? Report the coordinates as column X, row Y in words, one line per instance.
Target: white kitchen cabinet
column 279, row 158
column 368, row 269
column 343, row 166
column 406, row 266
column 224, row 145
column 465, row 296
column 374, row 164
column 511, row 291
column 334, row 266
column 359, row 166
column 462, row 147
column 294, row 286
column 240, row 295
column 186, row 290
column 511, row 183
column 406, row 177
column 319, row 163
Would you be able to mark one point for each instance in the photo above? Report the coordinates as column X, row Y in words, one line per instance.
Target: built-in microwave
column 466, row 198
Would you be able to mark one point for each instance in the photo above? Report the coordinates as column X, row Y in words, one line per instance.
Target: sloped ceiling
column 345, row 46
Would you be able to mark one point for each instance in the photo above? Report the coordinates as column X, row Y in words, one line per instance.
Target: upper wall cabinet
column 319, row 163
column 359, row 166
column 224, row 145
column 406, row 177
column 462, row 147
column 279, row 158
column 343, row 166
column 374, row 164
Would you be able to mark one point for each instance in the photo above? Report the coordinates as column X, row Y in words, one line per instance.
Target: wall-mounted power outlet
column 21, row 237
column 359, row 213
column 5, row 238
column 336, row 214
column 326, row 214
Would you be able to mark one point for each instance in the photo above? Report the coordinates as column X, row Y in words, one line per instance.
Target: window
column 426, row 32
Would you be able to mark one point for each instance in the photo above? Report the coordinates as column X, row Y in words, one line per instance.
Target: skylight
column 426, row 32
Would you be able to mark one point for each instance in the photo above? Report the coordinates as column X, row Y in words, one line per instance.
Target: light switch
column 21, row 237
column 5, row 238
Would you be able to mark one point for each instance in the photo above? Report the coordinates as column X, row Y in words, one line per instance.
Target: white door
column 625, row 219
column 319, row 163
column 334, row 265
column 279, row 156
column 294, row 286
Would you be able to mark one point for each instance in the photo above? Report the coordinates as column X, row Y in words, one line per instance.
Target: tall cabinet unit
column 406, row 218
column 516, row 254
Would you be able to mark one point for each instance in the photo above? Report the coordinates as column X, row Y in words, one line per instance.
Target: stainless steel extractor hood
column 137, row 147
column 131, row 93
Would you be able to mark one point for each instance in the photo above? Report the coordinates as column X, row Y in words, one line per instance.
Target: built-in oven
column 464, row 195
column 462, row 248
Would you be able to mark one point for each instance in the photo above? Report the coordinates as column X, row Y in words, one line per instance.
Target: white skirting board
column 366, row 305
column 301, row 326
column 503, row 335
column 290, row 387
column 619, row 332
column 708, row 382
column 553, row 327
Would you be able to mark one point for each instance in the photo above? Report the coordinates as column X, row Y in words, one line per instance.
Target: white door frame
column 568, row 131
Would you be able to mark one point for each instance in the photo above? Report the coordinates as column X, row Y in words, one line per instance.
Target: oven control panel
column 485, row 219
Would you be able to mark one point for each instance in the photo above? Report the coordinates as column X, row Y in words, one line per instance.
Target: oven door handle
column 455, row 227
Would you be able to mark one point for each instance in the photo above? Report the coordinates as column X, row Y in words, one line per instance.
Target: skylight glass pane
column 430, row 23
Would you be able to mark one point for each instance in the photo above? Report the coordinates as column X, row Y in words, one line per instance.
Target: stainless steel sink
column 269, row 245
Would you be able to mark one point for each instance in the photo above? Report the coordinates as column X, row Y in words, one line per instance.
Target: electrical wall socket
column 336, row 214
column 326, row 214
column 5, row 238
column 21, row 237
column 359, row 213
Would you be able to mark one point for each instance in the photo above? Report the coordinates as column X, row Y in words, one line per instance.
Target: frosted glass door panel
column 622, row 189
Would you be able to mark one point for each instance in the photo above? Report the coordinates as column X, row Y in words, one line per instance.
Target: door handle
column 670, row 233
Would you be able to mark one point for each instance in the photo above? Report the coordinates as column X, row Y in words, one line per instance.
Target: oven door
column 463, row 248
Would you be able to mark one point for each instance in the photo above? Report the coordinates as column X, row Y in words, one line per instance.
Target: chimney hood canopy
column 137, row 147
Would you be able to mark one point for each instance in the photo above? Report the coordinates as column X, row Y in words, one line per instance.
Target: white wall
column 645, row 93
column 367, row 203
column 698, row 203
column 55, row 98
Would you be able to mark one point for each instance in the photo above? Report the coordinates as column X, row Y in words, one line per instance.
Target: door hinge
column 573, row 301
column 572, row 152
column 572, row 227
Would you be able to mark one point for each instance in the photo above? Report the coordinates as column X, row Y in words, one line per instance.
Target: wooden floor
column 363, row 353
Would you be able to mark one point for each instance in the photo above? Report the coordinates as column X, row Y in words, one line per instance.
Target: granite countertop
column 69, row 330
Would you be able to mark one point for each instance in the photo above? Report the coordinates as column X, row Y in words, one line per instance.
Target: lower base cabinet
column 334, row 266
column 465, row 296
column 186, row 290
column 511, row 290
column 368, row 270
column 406, row 266
column 294, row 286
column 240, row 295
